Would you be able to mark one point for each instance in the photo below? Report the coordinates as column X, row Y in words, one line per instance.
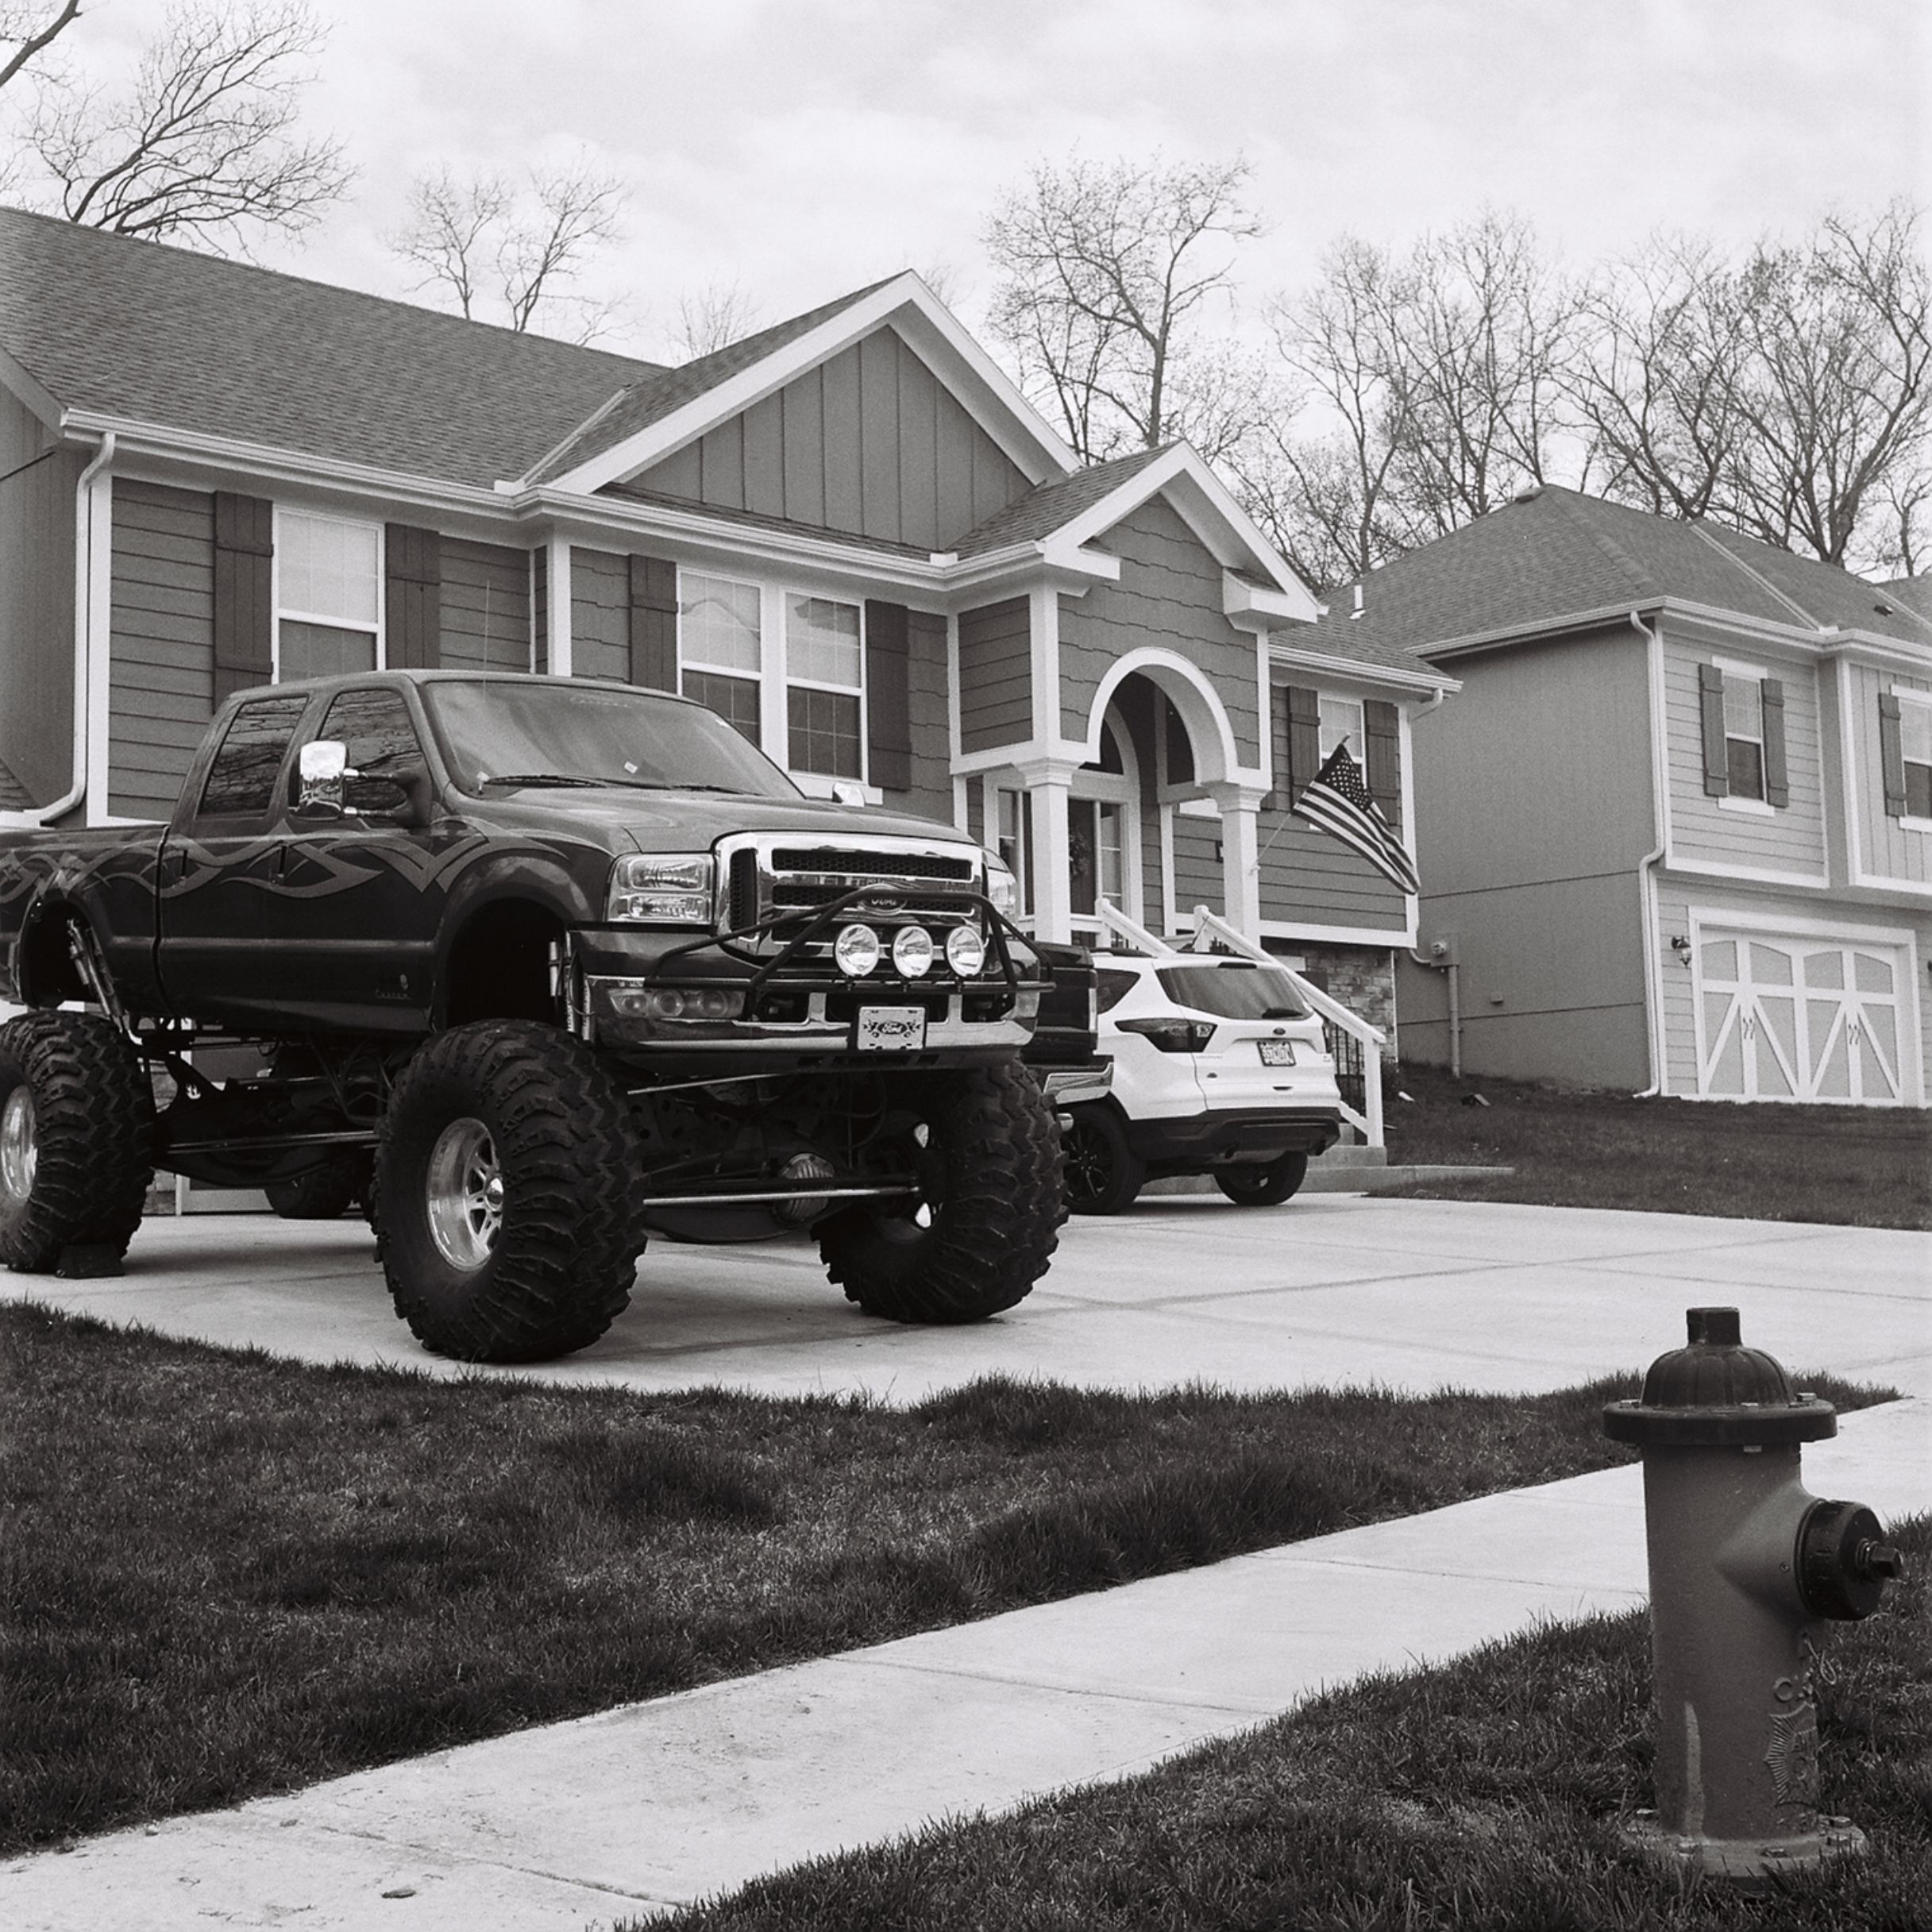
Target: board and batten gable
column 1887, row 850
column 160, row 690
column 1783, row 843
column 485, row 607
column 996, row 675
column 870, row 442
column 37, row 484
column 1169, row 595
column 1534, row 808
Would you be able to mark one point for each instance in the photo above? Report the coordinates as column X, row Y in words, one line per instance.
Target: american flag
column 1338, row 801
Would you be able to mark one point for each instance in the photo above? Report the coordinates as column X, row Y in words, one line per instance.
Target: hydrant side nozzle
column 1843, row 1561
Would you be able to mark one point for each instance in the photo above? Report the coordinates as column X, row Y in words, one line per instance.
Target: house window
column 720, row 649
column 824, row 659
column 1915, row 747
column 1094, row 853
column 1014, row 841
column 1744, row 735
column 328, row 593
column 1341, row 722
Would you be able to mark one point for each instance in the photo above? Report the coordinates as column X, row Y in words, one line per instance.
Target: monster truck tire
column 506, row 1182
column 990, row 1172
column 323, row 1193
column 76, row 1139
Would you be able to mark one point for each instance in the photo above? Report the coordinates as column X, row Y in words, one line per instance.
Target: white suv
column 1219, row 1068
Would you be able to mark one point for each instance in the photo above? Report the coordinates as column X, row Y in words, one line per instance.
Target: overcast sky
column 802, row 148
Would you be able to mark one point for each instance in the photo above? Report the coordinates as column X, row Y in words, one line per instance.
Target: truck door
column 217, row 868
column 354, row 912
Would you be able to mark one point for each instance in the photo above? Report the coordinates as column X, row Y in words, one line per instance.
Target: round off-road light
column 966, row 952
column 856, row 952
column 913, row 952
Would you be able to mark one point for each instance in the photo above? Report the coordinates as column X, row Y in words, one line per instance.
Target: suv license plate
column 889, row 1029
column 1277, row 1052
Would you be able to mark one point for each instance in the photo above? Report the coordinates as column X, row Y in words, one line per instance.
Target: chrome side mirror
column 322, row 774
column 847, row 792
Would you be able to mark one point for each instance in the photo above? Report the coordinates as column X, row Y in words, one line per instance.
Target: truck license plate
column 889, row 1029
column 1277, row 1052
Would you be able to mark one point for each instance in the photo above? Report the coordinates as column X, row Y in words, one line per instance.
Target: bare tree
column 1107, row 270
column 515, row 250
column 717, row 315
column 1427, row 394
column 29, row 30
column 203, row 143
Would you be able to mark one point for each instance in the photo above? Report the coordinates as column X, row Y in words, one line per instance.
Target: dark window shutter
column 244, row 615
column 1892, row 755
column 1777, row 787
column 653, row 623
column 1382, row 724
column 889, row 702
column 412, row 597
column 1304, row 715
column 1717, row 759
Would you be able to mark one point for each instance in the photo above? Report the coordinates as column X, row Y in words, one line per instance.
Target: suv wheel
column 76, row 1135
column 1251, row 1186
column 1103, row 1174
column 506, row 1188
column 982, row 1230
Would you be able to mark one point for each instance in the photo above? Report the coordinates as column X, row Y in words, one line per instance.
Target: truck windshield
column 1235, row 992
column 495, row 734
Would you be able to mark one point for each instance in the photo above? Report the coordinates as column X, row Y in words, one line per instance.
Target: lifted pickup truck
column 539, row 966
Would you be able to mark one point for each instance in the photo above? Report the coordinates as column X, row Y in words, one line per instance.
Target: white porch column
column 1047, row 782
column 562, row 664
column 1240, row 856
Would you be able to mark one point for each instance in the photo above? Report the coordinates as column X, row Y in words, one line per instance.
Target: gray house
column 849, row 535
column 1676, row 832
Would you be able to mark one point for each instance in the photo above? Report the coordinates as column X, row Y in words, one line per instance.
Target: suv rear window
column 1114, row 986
column 1236, row 991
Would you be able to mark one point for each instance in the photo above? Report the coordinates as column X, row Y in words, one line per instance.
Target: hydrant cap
column 1716, row 1392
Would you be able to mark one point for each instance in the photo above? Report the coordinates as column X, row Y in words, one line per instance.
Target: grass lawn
column 222, row 1575
column 1484, row 1794
column 1855, row 1166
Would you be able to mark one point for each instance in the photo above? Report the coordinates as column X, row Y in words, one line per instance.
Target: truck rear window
column 497, row 733
column 1236, row 991
column 241, row 780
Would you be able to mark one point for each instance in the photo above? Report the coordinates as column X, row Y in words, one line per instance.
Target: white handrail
column 1130, row 930
column 1372, row 1038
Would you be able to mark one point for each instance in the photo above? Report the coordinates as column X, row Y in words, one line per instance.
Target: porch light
column 856, row 952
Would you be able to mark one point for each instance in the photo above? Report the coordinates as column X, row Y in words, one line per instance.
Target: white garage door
column 1781, row 1016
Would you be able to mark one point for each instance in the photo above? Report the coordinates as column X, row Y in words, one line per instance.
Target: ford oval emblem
column 882, row 902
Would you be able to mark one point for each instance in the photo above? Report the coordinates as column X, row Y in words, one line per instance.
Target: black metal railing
column 1351, row 1070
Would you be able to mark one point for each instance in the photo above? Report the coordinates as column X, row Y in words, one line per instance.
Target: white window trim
column 1751, row 673
column 1756, row 808
column 874, row 795
column 378, row 629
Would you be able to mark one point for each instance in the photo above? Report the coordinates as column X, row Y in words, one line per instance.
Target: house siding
column 37, row 603
column 1197, row 878
column 485, row 607
column 1308, row 878
column 996, row 675
column 599, row 615
column 1169, row 595
column 161, row 678
column 1790, row 840
column 870, row 442
column 1886, row 850
column 931, row 793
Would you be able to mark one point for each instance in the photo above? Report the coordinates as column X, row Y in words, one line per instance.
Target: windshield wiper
column 544, row 778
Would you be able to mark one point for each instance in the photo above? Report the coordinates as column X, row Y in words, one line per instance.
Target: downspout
column 1646, row 879
column 1447, row 969
column 84, row 632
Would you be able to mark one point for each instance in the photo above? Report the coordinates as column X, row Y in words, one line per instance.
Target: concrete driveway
column 1328, row 1290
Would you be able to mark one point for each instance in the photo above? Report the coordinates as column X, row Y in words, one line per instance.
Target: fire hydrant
column 1745, row 1566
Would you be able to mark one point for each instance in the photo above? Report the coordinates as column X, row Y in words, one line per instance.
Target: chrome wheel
column 465, row 1193
column 20, row 1149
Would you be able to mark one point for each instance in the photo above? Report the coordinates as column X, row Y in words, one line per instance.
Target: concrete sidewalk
column 613, row 1816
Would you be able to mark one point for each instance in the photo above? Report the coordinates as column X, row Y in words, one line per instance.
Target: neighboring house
column 1676, row 831
column 849, row 535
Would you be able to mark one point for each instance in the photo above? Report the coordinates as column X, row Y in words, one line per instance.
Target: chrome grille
column 765, row 879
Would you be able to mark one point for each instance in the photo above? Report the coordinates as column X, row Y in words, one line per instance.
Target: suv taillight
column 1172, row 1035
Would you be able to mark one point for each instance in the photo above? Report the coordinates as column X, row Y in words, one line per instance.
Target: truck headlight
column 1002, row 888
column 662, row 889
